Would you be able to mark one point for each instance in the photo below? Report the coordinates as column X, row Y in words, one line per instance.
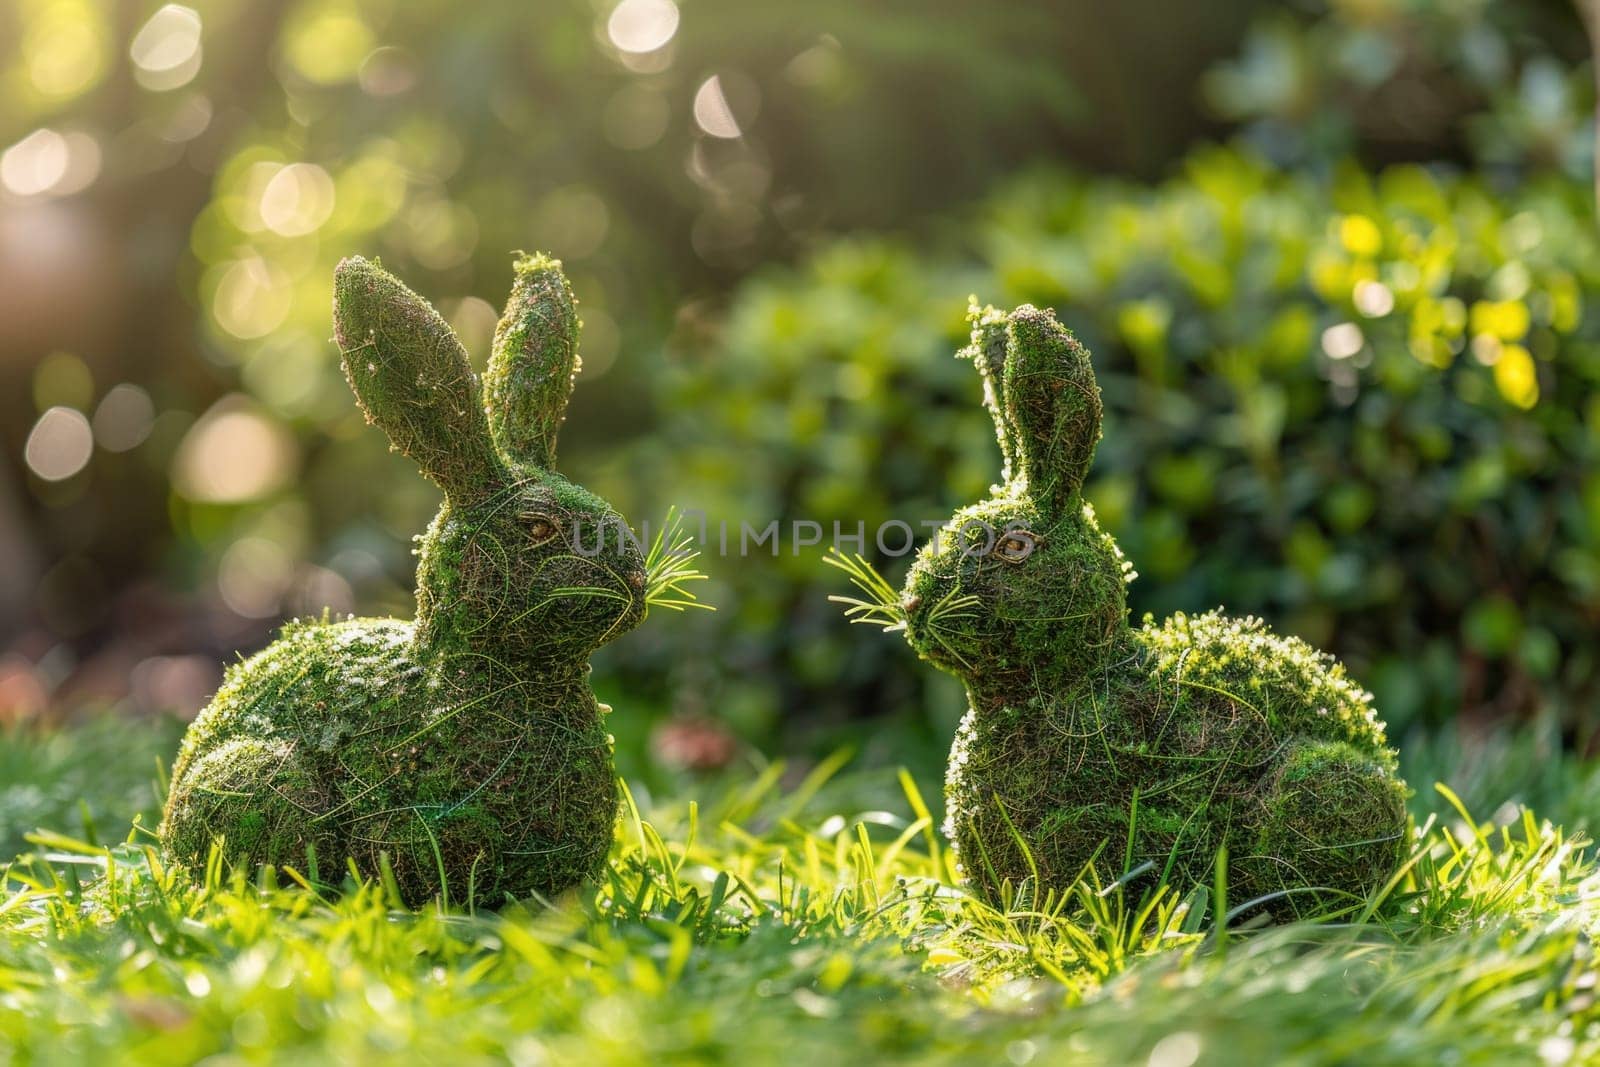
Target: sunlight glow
column 297, row 200
column 711, row 111
column 35, row 164
column 639, row 26
column 328, row 43
column 1373, row 299
column 1342, row 341
column 166, row 51
column 251, row 299
column 65, row 47
column 48, row 163
column 59, row 445
column 233, row 454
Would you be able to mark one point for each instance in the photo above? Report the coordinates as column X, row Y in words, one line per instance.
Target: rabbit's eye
column 1014, row 546
column 540, row 529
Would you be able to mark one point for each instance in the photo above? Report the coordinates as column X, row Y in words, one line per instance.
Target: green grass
column 790, row 918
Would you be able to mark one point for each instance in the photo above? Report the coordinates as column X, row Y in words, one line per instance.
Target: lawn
column 791, row 914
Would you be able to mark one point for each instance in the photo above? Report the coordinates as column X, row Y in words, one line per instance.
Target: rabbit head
column 518, row 557
column 1024, row 582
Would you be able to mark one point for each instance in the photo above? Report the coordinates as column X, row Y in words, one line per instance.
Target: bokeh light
column 124, row 418
column 62, row 379
column 1516, row 376
column 252, row 298
column 166, row 52
column 327, row 43
column 50, row 163
column 59, row 445
column 474, row 319
column 318, row 589
column 179, row 684
column 253, row 576
column 232, row 454
column 388, row 71
column 297, row 199
column 289, row 372
column 711, row 111
column 640, row 26
column 820, row 67
column 1343, row 340
column 188, row 120
column 66, row 45
column 177, row 181
column 1373, row 299
column 35, row 164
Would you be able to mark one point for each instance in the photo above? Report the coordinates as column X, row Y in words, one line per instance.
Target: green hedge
column 1362, row 406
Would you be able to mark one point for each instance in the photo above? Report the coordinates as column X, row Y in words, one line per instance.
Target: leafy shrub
column 1362, row 406
column 1500, row 84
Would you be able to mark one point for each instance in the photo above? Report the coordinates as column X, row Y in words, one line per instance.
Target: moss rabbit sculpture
column 1095, row 744
column 464, row 749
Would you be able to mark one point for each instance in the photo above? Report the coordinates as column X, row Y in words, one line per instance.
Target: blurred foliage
column 185, row 466
column 1364, row 407
column 1505, row 85
column 93, row 779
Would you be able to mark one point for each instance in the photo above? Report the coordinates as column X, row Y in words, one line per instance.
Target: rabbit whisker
column 669, row 564
column 881, row 606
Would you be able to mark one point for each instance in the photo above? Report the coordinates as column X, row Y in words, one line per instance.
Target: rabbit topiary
column 464, row 750
column 1091, row 744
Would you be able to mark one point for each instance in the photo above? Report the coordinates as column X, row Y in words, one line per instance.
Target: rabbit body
column 1089, row 743
column 464, row 751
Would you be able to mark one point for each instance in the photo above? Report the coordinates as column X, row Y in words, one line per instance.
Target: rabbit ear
column 1053, row 403
column 533, row 364
column 988, row 352
column 411, row 377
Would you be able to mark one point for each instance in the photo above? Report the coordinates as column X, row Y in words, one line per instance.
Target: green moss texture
column 1090, row 743
column 464, row 751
